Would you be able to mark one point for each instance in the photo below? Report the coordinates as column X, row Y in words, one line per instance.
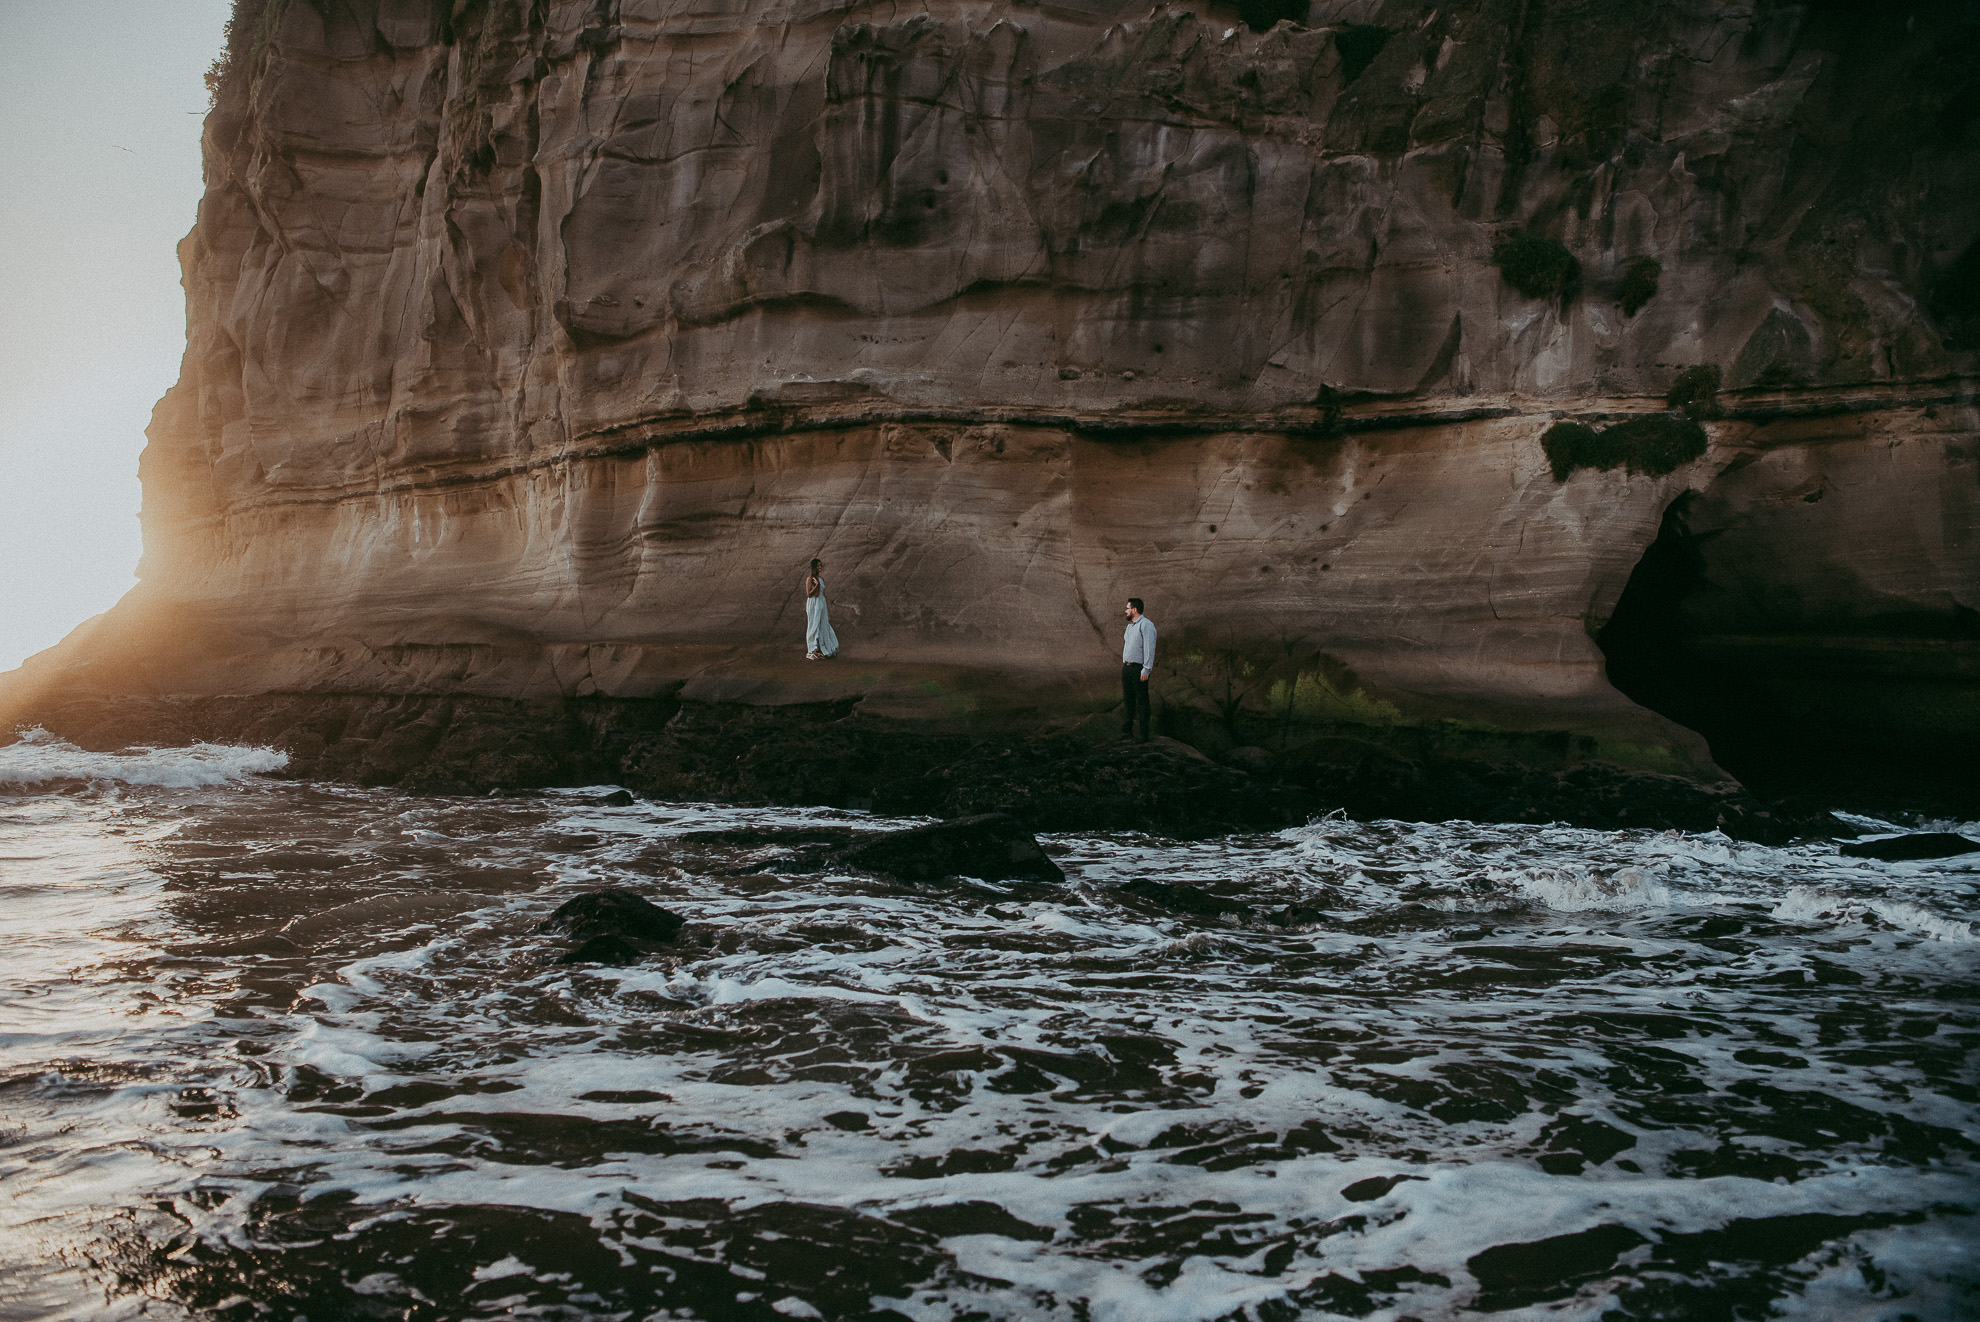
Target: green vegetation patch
column 1537, row 267
column 1639, row 284
column 1695, row 393
column 248, row 30
column 1654, row 444
column 1359, row 44
column 1229, row 691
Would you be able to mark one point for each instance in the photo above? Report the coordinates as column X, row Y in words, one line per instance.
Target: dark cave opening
column 1646, row 642
column 1860, row 714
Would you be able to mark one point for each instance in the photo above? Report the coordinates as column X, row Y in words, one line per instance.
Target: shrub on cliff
column 1639, row 284
column 1695, row 393
column 247, row 31
column 1654, row 444
column 1537, row 267
column 1570, row 445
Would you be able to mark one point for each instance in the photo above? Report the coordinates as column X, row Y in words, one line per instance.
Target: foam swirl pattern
column 276, row 1045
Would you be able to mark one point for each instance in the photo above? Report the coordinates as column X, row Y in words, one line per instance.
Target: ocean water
column 278, row 1049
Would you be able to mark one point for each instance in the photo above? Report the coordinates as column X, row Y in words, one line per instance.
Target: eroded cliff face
column 535, row 345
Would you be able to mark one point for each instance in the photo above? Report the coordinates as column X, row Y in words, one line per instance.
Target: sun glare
column 101, row 155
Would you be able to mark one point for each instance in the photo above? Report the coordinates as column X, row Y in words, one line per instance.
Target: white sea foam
column 1453, row 964
column 1805, row 905
column 1577, row 890
column 39, row 758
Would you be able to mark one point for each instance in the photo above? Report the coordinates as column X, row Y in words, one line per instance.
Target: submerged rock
column 988, row 846
column 1296, row 915
column 1184, row 898
column 613, row 950
column 1367, row 1191
column 757, row 837
column 1908, row 848
column 613, row 912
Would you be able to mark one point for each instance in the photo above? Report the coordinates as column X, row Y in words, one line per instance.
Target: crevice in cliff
column 1517, row 143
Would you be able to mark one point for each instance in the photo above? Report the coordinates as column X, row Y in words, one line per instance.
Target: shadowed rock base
column 1919, row 845
column 987, row 846
column 1059, row 778
column 613, row 913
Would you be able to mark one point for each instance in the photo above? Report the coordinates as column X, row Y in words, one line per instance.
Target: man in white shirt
column 1137, row 664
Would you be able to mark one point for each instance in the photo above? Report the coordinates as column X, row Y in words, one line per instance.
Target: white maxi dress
column 818, row 635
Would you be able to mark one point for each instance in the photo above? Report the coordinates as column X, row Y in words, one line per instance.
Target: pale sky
column 100, row 112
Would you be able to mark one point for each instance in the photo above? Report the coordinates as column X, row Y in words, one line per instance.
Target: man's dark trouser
column 1134, row 698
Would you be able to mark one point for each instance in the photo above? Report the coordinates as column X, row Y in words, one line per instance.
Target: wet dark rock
column 1251, row 759
column 616, row 799
column 1184, row 898
column 1309, row 1136
column 831, row 755
column 848, row 1120
column 1419, row 776
column 1296, row 915
column 1367, row 1191
column 1908, row 848
column 757, row 837
column 613, row 912
column 1163, row 785
column 988, row 847
column 612, row 950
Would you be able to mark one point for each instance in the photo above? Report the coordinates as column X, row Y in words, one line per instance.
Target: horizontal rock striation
column 535, row 347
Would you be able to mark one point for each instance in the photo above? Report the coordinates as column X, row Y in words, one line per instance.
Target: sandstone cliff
column 534, row 345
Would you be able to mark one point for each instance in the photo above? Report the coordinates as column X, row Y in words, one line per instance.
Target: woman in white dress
column 819, row 640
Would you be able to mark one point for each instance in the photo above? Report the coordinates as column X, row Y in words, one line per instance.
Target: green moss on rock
column 1654, row 444
column 1695, row 393
column 1537, row 267
column 1639, row 284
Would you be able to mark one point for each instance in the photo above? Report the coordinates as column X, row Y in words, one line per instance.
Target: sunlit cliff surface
column 533, row 348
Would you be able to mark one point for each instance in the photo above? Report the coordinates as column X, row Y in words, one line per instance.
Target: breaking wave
column 1805, row 905
column 40, row 759
column 1577, row 890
